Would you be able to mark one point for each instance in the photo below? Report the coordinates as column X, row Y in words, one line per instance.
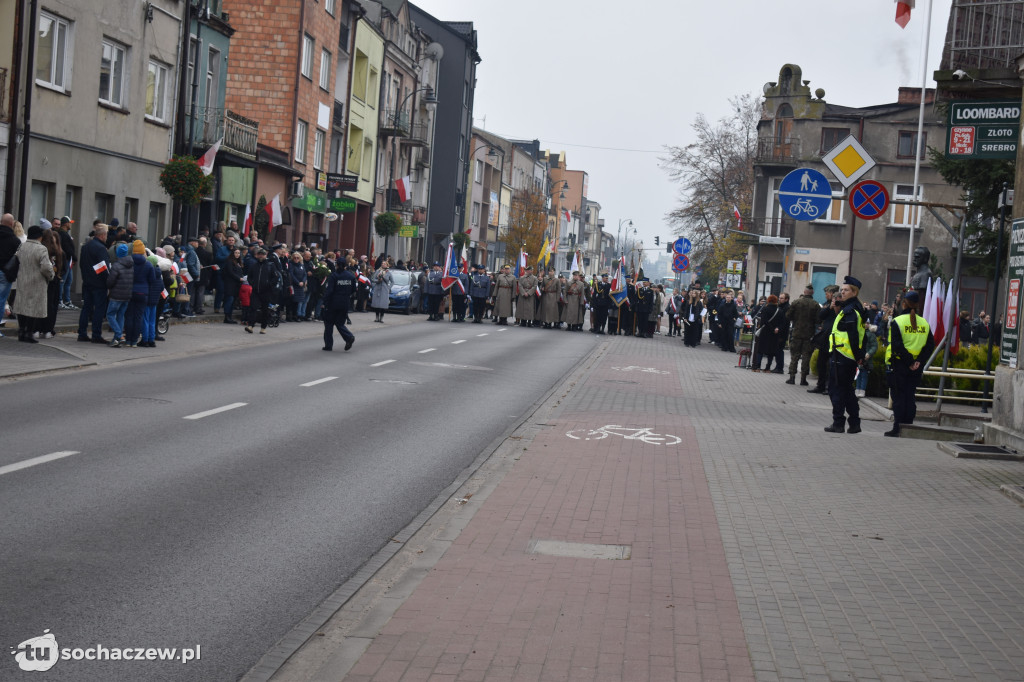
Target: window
column 478, row 171
column 371, row 87
column 475, row 215
column 131, row 211
column 112, row 73
column 307, row 56
column 104, row 204
column 830, row 137
column 903, row 215
column 359, row 71
column 908, row 144
column 367, row 158
column 301, row 132
column 834, row 212
column 193, row 57
column 355, row 149
column 53, row 45
column 156, row 219
column 894, row 283
column 72, row 200
column 318, row 149
column 212, row 81
column 329, row 6
column 41, row 201
column 156, row 92
column 325, row 69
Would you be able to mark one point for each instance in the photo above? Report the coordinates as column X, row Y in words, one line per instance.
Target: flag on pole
column 404, row 187
column 274, row 210
column 567, row 215
column 903, row 8
column 949, row 318
column 100, row 267
column 618, row 290
column 451, row 269
column 739, row 220
column 465, row 262
column 545, row 253
column 938, row 310
column 247, row 221
column 520, row 268
column 575, row 262
column 538, row 292
column 206, row 160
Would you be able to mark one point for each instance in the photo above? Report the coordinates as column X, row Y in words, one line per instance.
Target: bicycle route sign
column 682, row 246
column 805, row 194
column 869, row 199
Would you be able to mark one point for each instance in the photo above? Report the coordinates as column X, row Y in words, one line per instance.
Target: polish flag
column 215, row 267
column 520, row 268
column 538, row 291
column 465, row 263
column 247, row 222
column 939, row 310
column 100, row 267
column 567, row 216
column 363, row 279
column 206, row 160
column 185, row 277
column 617, row 281
column 404, row 187
column 903, row 8
column 739, row 220
column 174, row 266
column 164, row 294
column 274, row 211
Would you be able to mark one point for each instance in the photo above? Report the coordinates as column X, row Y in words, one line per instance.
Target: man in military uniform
column 644, row 304
column 434, row 292
column 460, row 296
column 504, row 292
column 804, row 316
column 526, row 303
column 712, row 316
column 600, row 301
column 846, row 347
column 479, row 288
column 574, row 303
column 628, row 308
column 551, row 291
column 826, row 316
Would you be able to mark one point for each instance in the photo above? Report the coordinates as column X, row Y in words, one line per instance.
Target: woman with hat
column 34, row 274
column 910, row 343
column 381, row 298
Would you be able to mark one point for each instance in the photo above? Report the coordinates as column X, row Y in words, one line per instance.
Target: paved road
column 225, row 530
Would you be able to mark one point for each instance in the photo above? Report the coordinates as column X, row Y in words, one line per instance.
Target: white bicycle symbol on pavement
column 643, row 435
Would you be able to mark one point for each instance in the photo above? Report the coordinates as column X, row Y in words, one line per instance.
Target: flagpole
column 920, row 135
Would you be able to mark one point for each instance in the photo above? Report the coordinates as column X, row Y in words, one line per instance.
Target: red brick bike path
column 492, row 610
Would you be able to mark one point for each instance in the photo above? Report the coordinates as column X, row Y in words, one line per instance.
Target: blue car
column 403, row 284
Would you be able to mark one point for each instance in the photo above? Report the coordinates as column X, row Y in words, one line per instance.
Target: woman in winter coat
column 156, row 290
column 691, row 315
column 381, row 297
column 770, row 322
column 231, row 275
column 35, row 271
column 297, row 281
column 52, row 243
column 120, row 278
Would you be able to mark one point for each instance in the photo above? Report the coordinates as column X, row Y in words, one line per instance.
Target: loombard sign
column 983, row 129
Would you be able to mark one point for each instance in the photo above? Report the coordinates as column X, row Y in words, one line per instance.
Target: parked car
column 403, row 283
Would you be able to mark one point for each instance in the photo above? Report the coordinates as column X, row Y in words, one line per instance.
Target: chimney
column 913, row 96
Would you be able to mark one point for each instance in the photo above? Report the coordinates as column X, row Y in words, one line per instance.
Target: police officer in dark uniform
column 600, row 301
column 479, row 289
column 644, row 301
column 846, row 347
column 460, row 297
column 336, row 297
column 434, row 292
column 910, row 342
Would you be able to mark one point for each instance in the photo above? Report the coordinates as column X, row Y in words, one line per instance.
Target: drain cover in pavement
column 579, row 550
column 979, row 451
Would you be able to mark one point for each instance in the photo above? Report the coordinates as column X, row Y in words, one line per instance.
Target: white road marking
column 458, row 342
column 503, row 329
column 427, row 350
column 319, row 381
column 217, row 410
column 42, row 459
column 385, row 362
column 484, row 334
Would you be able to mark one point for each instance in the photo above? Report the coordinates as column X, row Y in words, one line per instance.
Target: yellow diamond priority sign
column 848, row 161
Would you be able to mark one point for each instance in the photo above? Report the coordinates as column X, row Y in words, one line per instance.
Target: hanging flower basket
column 184, row 181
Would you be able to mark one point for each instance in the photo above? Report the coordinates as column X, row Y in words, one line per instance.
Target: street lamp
column 618, row 234
column 492, row 152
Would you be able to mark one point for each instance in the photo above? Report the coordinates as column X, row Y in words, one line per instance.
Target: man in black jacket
column 93, row 267
column 265, row 280
column 826, row 316
column 337, row 295
column 67, row 245
column 600, row 302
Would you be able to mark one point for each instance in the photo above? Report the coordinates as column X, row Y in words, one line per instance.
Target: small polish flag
column 274, row 210
column 538, row 291
column 174, row 266
column 404, row 187
column 206, row 160
column 247, row 223
column 903, row 8
column 567, row 215
column 215, row 267
column 364, row 279
column 164, row 294
column 100, row 267
column 185, row 277
column 739, row 220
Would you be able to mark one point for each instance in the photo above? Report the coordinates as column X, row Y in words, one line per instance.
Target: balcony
column 419, row 215
column 772, row 152
column 770, row 227
column 395, row 123
column 395, row 201
column 338, row 115
column 419, row 136
column 424, row 160
column 211, row 124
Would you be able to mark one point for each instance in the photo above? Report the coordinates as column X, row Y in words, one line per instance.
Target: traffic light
column 657, row 241
column 668, row 247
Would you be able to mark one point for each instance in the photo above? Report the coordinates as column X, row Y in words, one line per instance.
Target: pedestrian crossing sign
column 848, row 161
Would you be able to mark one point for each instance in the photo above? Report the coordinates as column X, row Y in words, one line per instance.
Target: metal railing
column 770, row 227
column 395, row 123
column 773, row 151
column 419, row 134
column 239, row 133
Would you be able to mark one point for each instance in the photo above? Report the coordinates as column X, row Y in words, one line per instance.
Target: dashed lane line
column 318, row 381
column 216, row 410
column 382, row 363
column 426, row 350
column 42, row 459
column 454, row 343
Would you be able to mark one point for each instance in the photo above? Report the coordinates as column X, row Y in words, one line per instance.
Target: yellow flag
column 545, row 252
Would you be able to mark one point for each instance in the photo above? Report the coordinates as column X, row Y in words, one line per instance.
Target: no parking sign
column 869, row 199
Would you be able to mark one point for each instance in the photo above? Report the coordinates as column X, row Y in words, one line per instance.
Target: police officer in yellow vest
column 846, row 346
column 910, row 344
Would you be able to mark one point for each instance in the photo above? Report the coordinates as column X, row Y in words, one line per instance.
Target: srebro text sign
column 983, row 129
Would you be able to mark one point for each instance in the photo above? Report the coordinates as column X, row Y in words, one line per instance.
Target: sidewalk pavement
column 200, row 334
column 666, row 516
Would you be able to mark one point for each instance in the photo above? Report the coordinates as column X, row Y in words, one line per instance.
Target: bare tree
column 715, row 173
column 527, row 222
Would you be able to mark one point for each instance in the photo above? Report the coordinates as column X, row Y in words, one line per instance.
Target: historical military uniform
column 600, row 302
column 479, row 289
column 504, row 292
column 846, row 348
column 804, row 315
column 526, row 302
column 574, row 305
column 551, row 290
column 434, row 293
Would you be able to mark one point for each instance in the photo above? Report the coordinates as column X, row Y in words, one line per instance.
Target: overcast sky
column 594, row 77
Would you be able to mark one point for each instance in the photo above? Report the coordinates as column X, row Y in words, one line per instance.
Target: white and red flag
column 247, row 221
column 185, row 276
column 363, row 279
column 736, row 214
column 520, row 269
column 404, row 187
column 903, row 8
column 100, row 267
column 274, row 211
column 206, row 160
column 567, row 215
column 465, row 262
column 164, row 294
